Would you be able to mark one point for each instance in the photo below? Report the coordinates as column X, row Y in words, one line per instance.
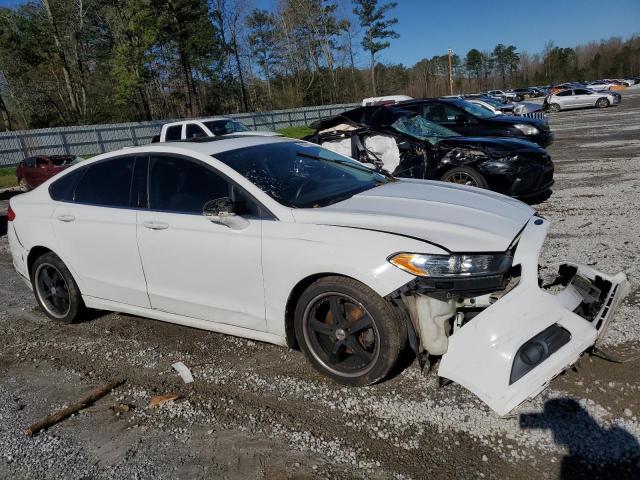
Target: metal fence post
column 23, row 146
column 63, row 143
column 134, row 139
column 253, row 118
column 99, row 141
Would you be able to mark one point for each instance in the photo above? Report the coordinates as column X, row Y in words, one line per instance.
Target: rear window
column 62, row 189
column 174, row 133
column 107, row 183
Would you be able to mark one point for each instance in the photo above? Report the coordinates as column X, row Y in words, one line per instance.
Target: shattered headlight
column 455, row 265
column 527, row 129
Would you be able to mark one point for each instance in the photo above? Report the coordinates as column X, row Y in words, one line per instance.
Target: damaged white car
column 286, row 242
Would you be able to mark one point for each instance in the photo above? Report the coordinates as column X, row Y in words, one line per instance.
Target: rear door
column 95, row 224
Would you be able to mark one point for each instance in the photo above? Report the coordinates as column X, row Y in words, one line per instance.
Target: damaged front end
column 503, row 336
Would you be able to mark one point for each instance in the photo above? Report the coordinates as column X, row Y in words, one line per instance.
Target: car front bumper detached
column 513, row 348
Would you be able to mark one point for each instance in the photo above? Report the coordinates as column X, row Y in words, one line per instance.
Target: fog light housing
column 537, row 349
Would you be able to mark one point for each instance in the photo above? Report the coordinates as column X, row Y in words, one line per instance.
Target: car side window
column 564, row 93
column 439, row 113
column 581, row 91
column 107, row 183
column 174, row 133
column 194, row 131
column 62, row 190
column 183, row 186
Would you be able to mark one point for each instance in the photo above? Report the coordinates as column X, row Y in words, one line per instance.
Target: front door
column 193, row 266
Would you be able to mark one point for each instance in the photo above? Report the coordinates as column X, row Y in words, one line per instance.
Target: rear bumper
column 483, row 354
column 18, row 254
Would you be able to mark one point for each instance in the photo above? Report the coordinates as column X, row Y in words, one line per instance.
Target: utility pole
column 450, row 76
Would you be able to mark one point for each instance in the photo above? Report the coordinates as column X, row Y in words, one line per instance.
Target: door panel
column 100, row 244
column 204, row 270
column 96, row 230
column 193, row 266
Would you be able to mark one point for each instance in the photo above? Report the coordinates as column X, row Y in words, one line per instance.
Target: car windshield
column 493, row 102
column 302, row 175
column 419, row 127
column 225, row 127
column 475, row 110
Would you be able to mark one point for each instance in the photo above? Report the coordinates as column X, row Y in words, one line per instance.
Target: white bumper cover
column 481, row 354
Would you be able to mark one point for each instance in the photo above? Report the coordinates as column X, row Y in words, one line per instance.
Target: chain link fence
column 92, row 140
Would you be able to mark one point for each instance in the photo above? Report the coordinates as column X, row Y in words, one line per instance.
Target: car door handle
column 155, row 225
column 66, row 217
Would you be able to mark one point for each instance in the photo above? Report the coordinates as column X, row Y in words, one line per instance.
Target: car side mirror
column 219, row 207
column 222, row 211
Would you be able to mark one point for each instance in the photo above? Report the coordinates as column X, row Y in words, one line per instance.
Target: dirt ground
column 260, row 411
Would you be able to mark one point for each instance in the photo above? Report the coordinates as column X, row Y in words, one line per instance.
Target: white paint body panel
column 203, row 270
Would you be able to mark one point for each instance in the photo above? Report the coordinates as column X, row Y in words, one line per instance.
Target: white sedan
column 283, row 241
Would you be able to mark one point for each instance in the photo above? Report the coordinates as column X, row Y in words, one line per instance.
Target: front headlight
column 526, row 129
column 455, row 265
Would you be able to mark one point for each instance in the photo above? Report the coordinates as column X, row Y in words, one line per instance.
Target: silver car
column 580, row 98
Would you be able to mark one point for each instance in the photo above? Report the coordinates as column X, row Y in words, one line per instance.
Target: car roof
column 207, row 145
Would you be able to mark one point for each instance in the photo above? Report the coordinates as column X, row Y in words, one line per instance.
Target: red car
column 33, row 171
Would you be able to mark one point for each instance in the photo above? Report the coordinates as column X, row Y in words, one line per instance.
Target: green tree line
column 69, row 62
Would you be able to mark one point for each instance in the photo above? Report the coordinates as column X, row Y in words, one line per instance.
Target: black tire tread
column 77, row 307
column 481, row 182
column 390, row 320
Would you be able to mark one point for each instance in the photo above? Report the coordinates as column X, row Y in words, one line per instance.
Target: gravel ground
column 259, row 411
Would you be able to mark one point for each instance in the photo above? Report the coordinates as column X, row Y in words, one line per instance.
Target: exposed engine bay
column 525, row 331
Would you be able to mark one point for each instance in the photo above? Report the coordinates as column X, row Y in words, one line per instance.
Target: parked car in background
column 522, row 93
column 32, row 171
column 504, row 108
column 472, row 121
column 204, row 127
column 580, row 98
column 501, row 95
column 599, row 85
column 403, row 143
column 285, row 242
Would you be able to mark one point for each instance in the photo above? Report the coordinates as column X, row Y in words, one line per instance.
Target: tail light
column 11, row 215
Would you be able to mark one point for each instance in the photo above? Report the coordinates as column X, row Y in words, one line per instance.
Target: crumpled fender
column 481, row 353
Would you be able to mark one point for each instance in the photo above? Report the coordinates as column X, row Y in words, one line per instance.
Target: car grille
column 539, row 115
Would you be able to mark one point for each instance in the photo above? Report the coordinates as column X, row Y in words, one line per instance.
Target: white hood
column 458, row 218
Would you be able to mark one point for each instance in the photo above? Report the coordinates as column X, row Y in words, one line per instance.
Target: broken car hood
column 454, row 217
column 494, row 144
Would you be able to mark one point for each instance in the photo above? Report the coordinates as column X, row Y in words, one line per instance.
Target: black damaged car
column 405, row 144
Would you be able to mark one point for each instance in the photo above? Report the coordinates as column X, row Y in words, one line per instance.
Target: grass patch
column 7, row 171
column 296, row 132
column 7, row 181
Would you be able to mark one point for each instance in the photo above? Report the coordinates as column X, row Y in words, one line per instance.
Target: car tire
column 23, row 185
column 554, row 107
column 55, row 289
column 603, row 103
column 363, row 346
column 465, row 176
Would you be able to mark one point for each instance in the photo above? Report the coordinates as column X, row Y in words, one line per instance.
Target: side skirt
column 101, row 304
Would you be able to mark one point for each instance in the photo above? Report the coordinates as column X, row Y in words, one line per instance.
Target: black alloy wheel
column 55, row 289
column 465, row 176
column 348, row 332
